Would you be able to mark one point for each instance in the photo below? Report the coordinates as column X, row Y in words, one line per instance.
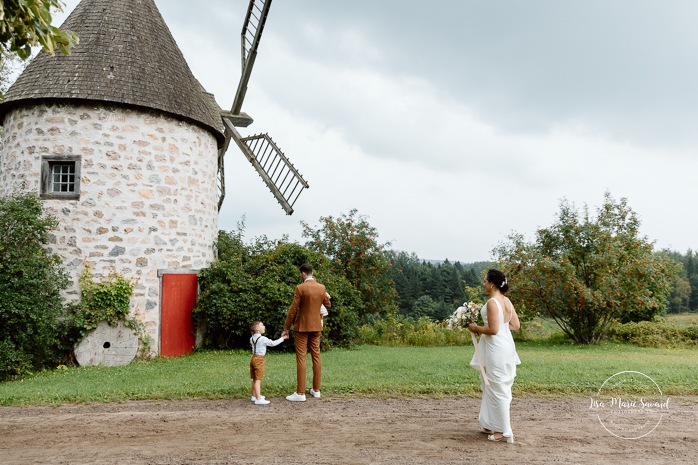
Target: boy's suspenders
column 254, row 345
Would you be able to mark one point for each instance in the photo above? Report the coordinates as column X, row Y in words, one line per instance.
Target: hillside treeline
column 433, row 289
column 684, row 296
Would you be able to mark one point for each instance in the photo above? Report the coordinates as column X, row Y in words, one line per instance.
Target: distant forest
column 436, row 289
column 684, row 297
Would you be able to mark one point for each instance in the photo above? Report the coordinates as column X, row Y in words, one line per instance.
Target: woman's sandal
column 492, row 437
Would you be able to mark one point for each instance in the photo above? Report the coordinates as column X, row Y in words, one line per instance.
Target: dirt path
column 334, row 430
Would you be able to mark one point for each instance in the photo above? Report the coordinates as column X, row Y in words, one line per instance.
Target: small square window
column 60, row 177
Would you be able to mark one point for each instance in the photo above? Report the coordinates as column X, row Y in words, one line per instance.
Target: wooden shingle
column 126, row 56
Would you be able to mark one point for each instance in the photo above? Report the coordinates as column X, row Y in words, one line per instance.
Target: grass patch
column 548, row 368
column 682, row 319
column 674, row 330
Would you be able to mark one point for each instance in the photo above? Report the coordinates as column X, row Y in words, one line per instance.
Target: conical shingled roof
column 126, row 55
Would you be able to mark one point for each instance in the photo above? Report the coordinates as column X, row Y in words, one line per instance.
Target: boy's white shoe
column 262, row 402
column 315, row 394
column 295, row 397
column 254, row 399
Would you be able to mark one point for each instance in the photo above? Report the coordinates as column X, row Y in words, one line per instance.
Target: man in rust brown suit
column 304, row 316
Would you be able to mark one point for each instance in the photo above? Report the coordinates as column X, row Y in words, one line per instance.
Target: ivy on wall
column 108, row 299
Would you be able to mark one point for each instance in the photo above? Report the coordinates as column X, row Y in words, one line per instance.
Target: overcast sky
column 452, row 124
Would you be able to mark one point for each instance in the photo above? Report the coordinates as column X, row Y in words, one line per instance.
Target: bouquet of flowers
column 464, row 315
column 461, row 318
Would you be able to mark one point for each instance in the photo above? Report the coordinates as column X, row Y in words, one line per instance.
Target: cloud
column 452, row 124
column 521, row 66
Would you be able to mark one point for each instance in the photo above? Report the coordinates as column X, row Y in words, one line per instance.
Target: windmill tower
column 125, row 148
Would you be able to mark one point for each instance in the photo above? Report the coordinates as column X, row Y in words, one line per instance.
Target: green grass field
column 542, row 328
column 683, row 319
column 547, row 369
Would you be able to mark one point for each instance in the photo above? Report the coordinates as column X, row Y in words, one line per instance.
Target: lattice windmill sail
column 278, row 173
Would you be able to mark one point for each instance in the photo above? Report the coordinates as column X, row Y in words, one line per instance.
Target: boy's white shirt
column 260, row 348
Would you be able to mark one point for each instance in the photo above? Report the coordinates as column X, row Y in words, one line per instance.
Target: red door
column 178, row 300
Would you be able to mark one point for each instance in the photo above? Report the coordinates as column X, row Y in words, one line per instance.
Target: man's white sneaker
column 295, row 397
column 315, row 394
column 254, row 399
column 262, row 402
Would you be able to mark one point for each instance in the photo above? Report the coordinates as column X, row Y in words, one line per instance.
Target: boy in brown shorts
column 259, row 345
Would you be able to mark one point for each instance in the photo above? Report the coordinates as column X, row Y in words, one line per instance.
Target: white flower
column 464, row 315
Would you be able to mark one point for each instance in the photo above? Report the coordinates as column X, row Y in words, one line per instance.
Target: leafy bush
column 108, row 299
column 399, row 330
column 33, row 332
column 256, row 282
column 654, row 334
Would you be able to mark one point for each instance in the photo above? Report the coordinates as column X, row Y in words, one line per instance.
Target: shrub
column 399, row 330
column 654, row 334
column 256, row 282
column 32, row 328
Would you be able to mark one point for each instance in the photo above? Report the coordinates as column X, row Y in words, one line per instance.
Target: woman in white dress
column 499, row 357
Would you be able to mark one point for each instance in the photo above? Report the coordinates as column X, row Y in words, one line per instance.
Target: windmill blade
column 278, row 173
column 252, row 29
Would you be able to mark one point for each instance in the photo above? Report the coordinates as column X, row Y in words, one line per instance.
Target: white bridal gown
column 499, row 357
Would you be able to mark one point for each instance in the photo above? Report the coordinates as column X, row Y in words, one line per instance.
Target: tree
column 446, row 285
column 434, row 310
column 31, row 280
column 351, row 244
column 693, row 298
column 680, row 295
column 586, row 272
column 423, row 306
column 8, row 62
column 27, row 23
column 404, row 273
column 692, row 277
column 256, row 282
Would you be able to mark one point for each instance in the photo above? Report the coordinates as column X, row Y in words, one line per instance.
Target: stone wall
column 148, row 194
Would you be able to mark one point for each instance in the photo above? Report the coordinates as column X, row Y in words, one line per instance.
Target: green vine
column 107, row 300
